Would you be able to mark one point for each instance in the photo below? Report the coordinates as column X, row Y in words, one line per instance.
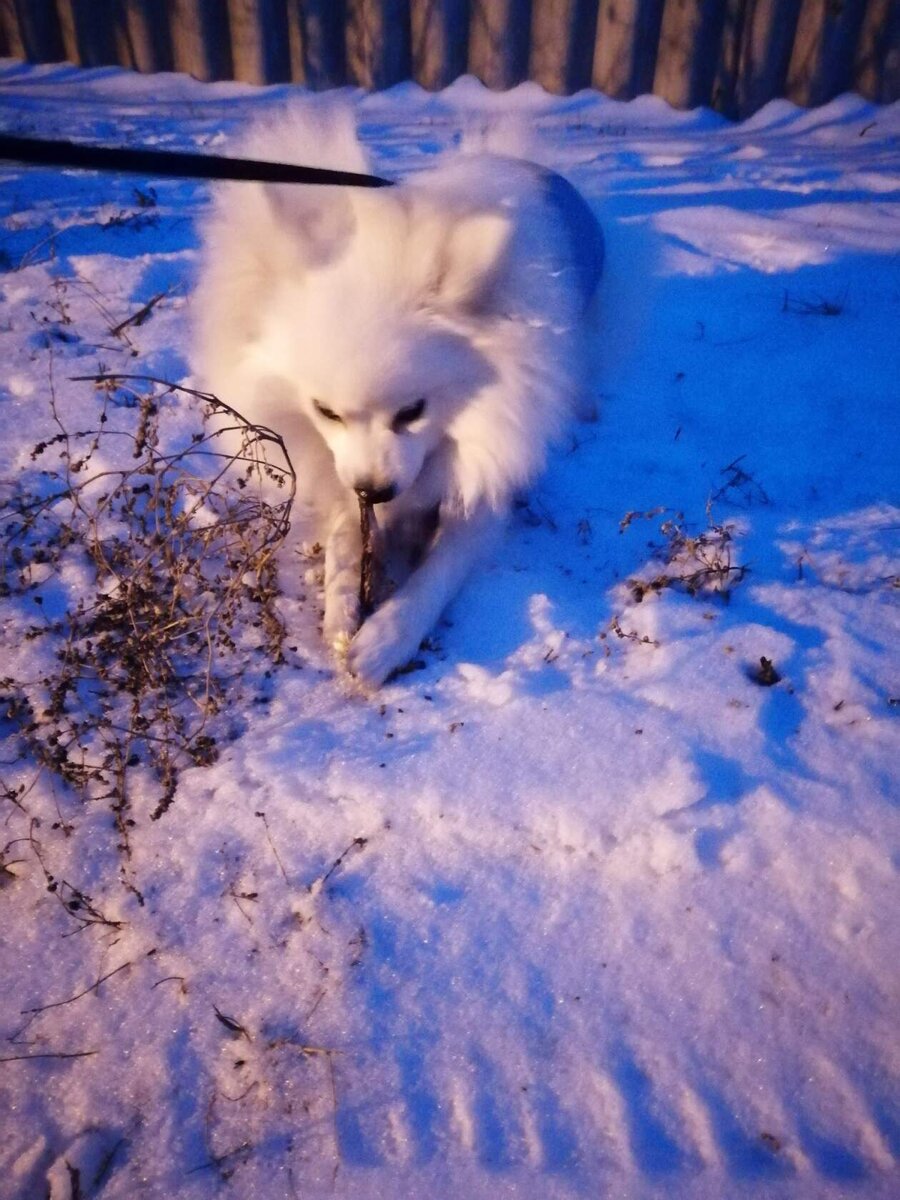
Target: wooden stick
column 367, row 572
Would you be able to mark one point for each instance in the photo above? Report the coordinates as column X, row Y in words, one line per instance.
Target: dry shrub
column 701, row 563
column 138, row 554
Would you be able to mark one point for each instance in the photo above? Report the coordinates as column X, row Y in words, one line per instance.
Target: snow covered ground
column 580, row 908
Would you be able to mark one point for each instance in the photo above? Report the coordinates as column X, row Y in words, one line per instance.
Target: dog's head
column 376, row 325
column 383, row 402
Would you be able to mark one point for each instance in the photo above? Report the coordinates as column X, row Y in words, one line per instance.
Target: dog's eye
column 406, row 416
column 327, row 413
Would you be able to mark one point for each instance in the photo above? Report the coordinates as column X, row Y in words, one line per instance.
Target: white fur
column 456, row 287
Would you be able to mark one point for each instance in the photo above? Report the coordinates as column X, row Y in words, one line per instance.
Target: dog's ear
column 470, row 259
column 321, row 219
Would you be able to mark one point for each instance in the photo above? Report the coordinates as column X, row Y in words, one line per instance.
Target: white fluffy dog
column 418, row 346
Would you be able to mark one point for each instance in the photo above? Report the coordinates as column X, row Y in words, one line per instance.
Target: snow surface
column 625, row 922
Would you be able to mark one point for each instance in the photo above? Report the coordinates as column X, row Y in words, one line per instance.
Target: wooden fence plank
column 626, row 46
column 824, row 50
column 144, row 38
column 15, row 35
column 67, row 31
column 688, row 51
column 201, row 41
column 724, row 89
column 260, row 48
column 876, row 70
column 498, row 41
column 756, row 50
column 322, row 24
column 378, row 42
column 90, row 31
column 562, row 43
column 31, row 30
column 296, row 41
column 439, row 47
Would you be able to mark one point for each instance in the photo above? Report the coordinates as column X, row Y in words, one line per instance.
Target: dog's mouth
column 370, row 494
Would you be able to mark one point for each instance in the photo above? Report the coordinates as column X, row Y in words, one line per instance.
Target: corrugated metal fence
column 731, row 54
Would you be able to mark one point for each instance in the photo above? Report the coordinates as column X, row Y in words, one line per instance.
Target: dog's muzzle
column 370, row 494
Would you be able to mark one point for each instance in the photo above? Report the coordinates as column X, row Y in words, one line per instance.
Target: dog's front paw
column 387, row 641
column 341, row 621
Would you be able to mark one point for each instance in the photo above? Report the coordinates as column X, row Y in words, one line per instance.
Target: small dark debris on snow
column 811, row 308
column 765, row 674
column 230, row 1023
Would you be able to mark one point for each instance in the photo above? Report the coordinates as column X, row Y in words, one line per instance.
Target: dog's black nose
column 371, row 494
